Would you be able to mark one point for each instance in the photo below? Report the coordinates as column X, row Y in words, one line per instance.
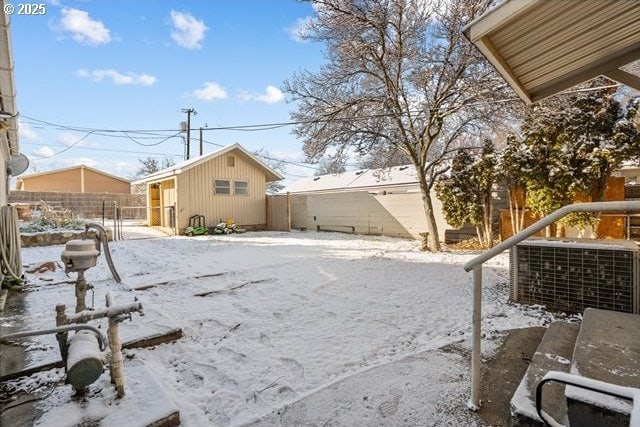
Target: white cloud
column 66, row 163
column 271, row 95
column 210, row 91
column 117, row 77
column 43, row 152
column 70, row 139
column 84, row 29
column 187, row 31
column 300, row 29
column 25, row 132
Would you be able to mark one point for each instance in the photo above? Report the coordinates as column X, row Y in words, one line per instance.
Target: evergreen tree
column 569, row 146
column 467, row 195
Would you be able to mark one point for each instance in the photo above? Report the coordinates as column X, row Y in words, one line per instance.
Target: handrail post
column 474, row 403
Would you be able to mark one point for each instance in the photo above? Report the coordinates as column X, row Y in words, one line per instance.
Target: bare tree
column 274, row 163
column 399, row 75
column 152, row 164
column 386, row 157
column 329, row 164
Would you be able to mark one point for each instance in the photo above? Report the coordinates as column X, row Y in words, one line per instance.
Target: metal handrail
column 476, row 265
column 622, row 392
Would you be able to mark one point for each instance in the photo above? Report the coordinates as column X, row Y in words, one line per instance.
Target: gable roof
column 32, row 175
column 355, row 180
column 270, row 174
column 541, row 47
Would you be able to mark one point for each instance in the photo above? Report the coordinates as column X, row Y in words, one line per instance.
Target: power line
column 68, row 148
column 80, row 128
column 103, row 149
column 289, row 162
column 276, row 125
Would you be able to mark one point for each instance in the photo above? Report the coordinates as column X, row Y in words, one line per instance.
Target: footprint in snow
column 390, row 407
column 294, row 367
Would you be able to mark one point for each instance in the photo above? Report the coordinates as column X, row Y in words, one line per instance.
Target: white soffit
column 542, row 47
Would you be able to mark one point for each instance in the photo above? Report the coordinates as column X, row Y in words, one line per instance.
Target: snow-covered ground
column 289, row 316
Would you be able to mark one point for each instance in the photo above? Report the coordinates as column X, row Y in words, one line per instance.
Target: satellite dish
column 17, row 164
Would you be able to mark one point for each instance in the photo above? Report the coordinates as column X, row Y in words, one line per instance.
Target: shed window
column 222, row 186
column 231, row 161
column 241, row 187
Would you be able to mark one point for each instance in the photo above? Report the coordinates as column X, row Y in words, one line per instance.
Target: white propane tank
column 84, row 359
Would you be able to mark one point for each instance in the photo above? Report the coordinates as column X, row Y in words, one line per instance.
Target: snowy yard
column 296, row 327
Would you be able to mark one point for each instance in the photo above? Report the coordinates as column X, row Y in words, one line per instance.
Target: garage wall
column 399, row 215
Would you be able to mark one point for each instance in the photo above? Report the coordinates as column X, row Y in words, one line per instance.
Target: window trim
column 246, row 187
column 228, row 187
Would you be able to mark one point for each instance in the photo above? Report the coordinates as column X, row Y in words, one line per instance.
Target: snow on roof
column 360, row 179
column 178, row 168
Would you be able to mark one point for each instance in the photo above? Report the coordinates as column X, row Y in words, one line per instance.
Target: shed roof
column 542, row 47
column 353, row 180
column 271, row 175
column 54, row 171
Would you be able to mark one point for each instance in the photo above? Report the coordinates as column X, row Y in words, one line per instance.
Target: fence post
column 115, row 219
column 288, row 211
column 103, row 211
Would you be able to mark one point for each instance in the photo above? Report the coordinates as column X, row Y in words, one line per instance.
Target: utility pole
column 189, row 111
column 201, row 141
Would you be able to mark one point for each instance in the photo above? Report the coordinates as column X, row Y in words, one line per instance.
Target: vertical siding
column 196, row 196
column 398, row 214
column 277, row 217
column 55, row 181
column 98, row 183
column 299, row 215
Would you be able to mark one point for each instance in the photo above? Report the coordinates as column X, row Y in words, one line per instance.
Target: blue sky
column 133, row 65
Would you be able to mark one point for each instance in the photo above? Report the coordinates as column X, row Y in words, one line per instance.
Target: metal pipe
column 85, row 316
column 104, row 238
column 476, row 353
column 102, row 341
column 615, row 390
column 81, row 292
column 115, row 359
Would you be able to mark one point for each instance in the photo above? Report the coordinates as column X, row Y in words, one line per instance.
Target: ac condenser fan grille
column 572, row 279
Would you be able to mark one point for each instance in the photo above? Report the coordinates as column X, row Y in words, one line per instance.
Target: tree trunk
column 488, row 216
column 513, row 212
column 481, row 235
column 432, row 227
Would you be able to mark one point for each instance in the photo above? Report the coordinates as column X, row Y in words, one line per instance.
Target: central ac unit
column 573, row 274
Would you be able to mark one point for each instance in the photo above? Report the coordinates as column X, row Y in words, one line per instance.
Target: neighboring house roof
column 354, row 180
column 271, row 175
column 23, row 177
column 543, row 47
column 7, row 85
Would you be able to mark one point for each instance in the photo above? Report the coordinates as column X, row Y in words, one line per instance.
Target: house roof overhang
column 542, row 47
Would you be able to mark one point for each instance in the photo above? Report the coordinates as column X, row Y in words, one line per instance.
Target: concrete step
column 553, row 354
column 144, row 404
column 607, row 349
